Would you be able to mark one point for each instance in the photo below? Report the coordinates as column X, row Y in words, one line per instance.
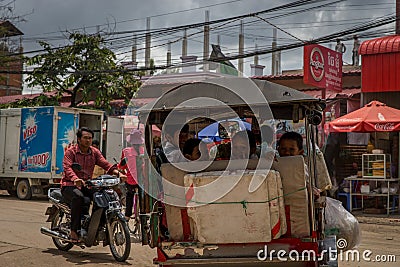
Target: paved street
column 21, row 243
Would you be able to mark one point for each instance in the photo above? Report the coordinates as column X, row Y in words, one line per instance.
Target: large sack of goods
column 293, row 177
column 239, row 216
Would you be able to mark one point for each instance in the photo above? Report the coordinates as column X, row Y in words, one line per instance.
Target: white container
column 377, row 151
column 365, row 189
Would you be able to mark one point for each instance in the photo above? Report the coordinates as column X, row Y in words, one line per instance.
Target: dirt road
column 21, row 243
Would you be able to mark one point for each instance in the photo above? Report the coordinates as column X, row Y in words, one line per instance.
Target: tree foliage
column 84, row 70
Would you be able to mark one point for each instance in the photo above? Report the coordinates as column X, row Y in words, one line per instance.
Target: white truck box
column 32, row 144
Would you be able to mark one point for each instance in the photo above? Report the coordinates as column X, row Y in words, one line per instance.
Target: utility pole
column 241, row 49
column 169, row 58
column 148, row 44
column 206, row 51
column 134, row 50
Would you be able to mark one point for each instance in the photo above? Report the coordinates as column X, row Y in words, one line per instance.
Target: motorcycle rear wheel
column 120, row 240
column 55, row 223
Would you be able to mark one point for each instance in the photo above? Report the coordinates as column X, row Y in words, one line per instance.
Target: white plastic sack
column 339, row 220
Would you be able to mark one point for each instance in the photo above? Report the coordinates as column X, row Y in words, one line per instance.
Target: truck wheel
column 24, row 191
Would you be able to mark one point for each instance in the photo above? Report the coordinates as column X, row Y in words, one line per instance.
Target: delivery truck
column 33, row 141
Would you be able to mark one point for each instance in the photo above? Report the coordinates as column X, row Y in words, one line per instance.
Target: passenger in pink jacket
column 130, row 153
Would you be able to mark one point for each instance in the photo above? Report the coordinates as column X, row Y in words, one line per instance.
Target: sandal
column 73, row 237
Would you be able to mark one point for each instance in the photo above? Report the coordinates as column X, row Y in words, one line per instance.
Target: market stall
column 378, row 166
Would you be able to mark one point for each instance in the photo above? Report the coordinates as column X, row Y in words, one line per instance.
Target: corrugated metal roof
column 387, row 44
column 346, row 93
column 13, row 98
column 300, row 75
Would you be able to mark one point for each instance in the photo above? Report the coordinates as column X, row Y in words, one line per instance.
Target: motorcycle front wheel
column 58, row 224
column 120, row 240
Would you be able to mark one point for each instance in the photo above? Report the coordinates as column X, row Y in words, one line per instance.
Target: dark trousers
column 79, row 201
column 130, row 193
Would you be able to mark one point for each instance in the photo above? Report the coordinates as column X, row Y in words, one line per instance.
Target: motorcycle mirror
column 76, row 166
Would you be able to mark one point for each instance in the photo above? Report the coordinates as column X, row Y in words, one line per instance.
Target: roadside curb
column 395, row 221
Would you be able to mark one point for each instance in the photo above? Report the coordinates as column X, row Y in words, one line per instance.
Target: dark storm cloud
column 52, row 16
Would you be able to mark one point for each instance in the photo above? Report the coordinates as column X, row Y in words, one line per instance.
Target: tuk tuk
column 242, row 212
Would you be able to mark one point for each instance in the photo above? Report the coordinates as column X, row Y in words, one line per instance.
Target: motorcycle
column 106, row 223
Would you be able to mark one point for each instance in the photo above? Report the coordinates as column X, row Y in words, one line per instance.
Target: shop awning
column 373, row 117
column 387, row 44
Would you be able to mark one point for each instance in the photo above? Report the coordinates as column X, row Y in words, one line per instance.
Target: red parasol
column 373, row 117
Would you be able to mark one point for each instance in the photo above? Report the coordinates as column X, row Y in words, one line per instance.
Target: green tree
column 85, row 70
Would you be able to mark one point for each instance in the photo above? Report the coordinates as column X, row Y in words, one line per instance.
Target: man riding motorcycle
column 73, row 182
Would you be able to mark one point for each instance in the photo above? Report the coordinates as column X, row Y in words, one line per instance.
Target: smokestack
column 256, row 56
column 276, row 56
column 147, row 50
column 256, row 69
column 241, row 49
column 206, row 51
column 184, row 44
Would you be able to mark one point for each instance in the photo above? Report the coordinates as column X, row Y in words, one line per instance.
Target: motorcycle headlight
column 107, row 181
column 111, row 181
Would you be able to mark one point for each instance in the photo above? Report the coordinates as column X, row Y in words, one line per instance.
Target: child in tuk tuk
column 291, row 144
column 244, row 145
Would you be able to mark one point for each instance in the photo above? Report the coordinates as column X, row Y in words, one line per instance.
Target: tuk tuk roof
column 229, row 92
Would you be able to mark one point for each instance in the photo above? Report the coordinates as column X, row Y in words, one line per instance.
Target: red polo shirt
column 87, row 161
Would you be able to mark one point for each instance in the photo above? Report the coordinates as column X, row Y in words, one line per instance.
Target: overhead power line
column 323, row 39
column 169, row 30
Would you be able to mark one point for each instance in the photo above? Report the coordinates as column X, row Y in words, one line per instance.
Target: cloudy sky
column 48, row 20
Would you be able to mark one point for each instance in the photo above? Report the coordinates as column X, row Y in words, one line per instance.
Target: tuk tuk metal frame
column 285, row 103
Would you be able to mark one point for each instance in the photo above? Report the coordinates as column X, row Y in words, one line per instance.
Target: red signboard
column 322, row 67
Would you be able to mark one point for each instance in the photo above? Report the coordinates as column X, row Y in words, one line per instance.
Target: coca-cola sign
column 389, row 126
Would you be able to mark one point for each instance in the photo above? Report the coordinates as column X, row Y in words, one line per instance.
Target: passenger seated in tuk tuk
column 176, row 138
column 267, row 137
column 195, row 149
column 291, row 144
column 191, row 149
column 244, row 145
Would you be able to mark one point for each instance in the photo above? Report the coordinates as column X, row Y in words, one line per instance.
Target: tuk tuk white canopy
column 237, row 93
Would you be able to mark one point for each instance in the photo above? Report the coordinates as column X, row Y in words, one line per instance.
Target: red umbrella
column 373, row 117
